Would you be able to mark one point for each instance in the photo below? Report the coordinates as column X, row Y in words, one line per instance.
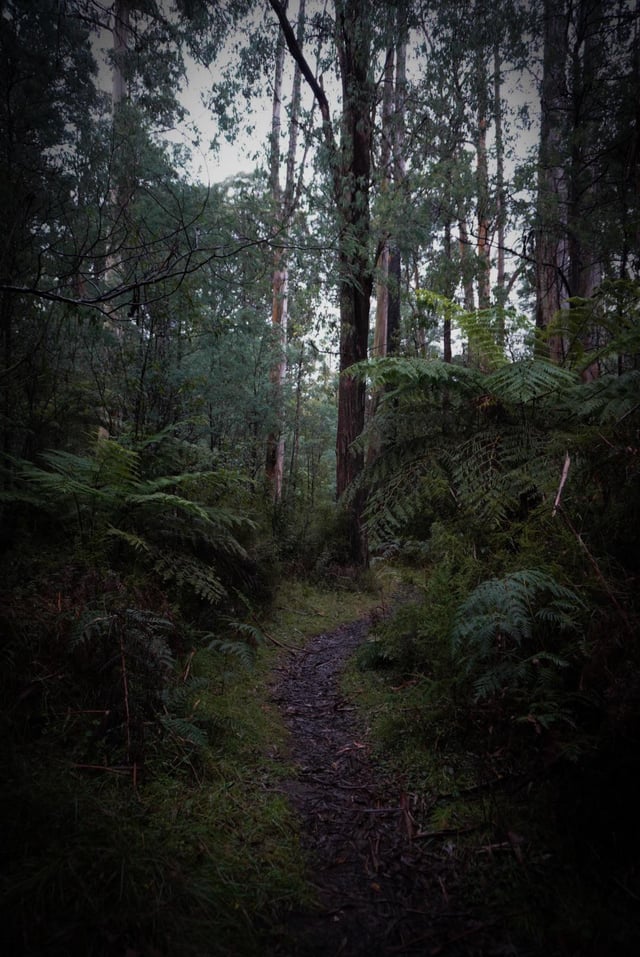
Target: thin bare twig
column 563, row 479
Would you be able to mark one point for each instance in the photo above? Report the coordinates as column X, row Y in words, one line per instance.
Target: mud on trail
column 382, row 889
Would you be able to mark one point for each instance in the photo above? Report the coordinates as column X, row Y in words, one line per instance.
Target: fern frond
column 115, row 465
column 189, row 572
column 409, row 373
column 68, row 476
column 240, row 650
column 249, row 632
column 166, row 500
column 528, row 380
column 610, row 399
column 479, row 326
column 136, row 542
column 509, row 608
column 185, row 731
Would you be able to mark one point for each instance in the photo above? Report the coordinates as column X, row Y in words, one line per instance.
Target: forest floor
column 383, row 886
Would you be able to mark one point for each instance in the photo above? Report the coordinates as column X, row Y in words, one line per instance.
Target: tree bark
column 551, row 243
column 399, row 176
column 274, row 466
column 382, row 280
column 284, row 204
column 356, row 279
column 350, row 173
column 585, row 261
column 501, row 291
column 483, row 240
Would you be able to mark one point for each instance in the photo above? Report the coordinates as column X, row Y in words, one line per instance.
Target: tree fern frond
column 509, row 607
column 610, row 399
column 408, row 373
column 68, row 476
column 186, row 731
column 528, row 380
column 162, row 500
column 613, row 311
column 179, row 697
column 250, row 632
column 243, row 652
column 136, row 542
column 189, row 572
column 479, row 327
column 116, row 465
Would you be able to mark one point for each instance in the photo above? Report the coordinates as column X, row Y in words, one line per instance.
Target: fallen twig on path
column 280, row 644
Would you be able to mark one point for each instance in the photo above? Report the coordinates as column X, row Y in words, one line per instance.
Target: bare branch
column 305, row 69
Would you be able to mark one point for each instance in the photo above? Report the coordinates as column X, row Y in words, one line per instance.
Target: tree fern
column 238, row 638
column 610, row 399
column 529, row 380
column 501, row 628
column 408, row 373
column 106, row 499
column 510, row 608
column 603, row 330
column 186, row 571
column 445, row 435
column 496, row 469
column 186, row 732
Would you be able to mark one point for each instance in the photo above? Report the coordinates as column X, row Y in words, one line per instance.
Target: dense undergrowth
column 509, row 693
column 183, row 847
column 537, row 811
column 141, row 614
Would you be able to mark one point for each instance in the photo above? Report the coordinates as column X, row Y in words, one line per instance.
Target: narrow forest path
column 381, row 890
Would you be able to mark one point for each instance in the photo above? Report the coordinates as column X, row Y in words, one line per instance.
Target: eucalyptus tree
column 285, row 203
column 462, row 126
column 587, row 198
column 391, row 192
column 349, row 162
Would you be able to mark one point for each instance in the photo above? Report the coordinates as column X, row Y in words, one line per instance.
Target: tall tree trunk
column 120, row 188
column 483, row 239
column 274, row 466
column 295, row 441
column 121, row 27
column 382, row 279
column 350, row 168
column 501, row 291
column 356, row 280
column 284, row 205
column 464, row 245
column 399, row 176
column 483, row 243
column 446, row 333
column 551, row 243
column 585, row 261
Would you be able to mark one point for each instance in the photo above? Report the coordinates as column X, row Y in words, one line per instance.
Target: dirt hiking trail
column 382, row 889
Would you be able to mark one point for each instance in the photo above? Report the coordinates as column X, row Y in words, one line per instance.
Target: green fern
column 603, row 330
column 500, row 454
column 247, row 638
column 610, row 399
column 530, row 380
column 242, row 652
column 510, row 608
column 188, row 572
column 186, row 732
column 399, row 374
column 106, row 499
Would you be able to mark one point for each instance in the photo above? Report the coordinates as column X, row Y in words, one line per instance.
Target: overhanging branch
column 297, row 54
